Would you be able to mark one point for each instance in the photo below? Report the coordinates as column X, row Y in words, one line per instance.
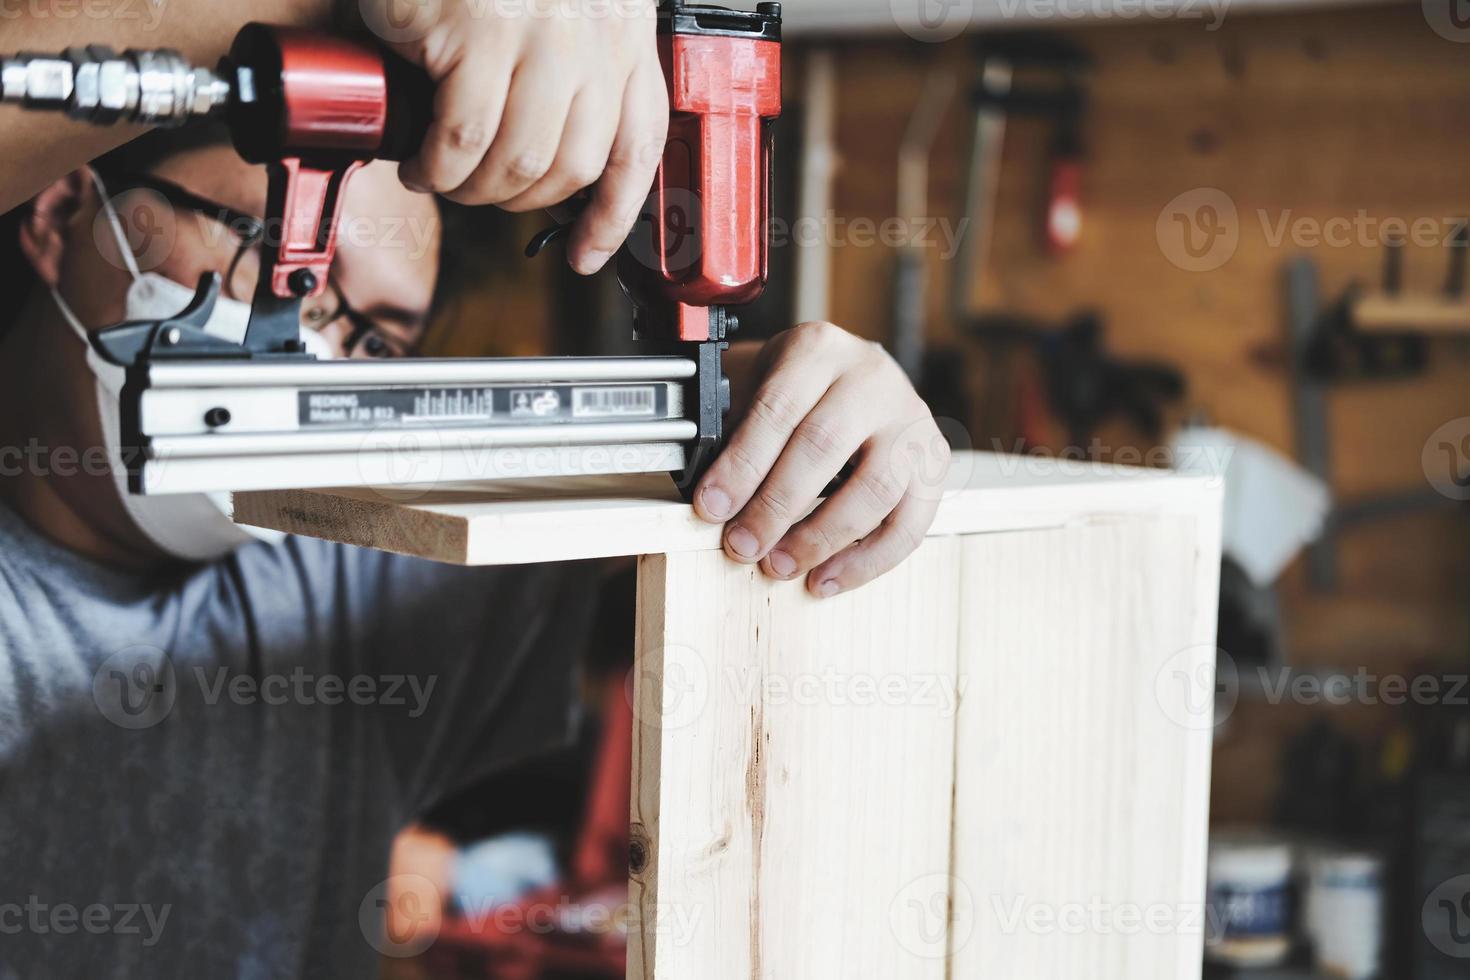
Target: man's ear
column 46, row 232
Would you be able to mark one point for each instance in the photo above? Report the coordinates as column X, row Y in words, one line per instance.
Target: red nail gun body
column 313, row 109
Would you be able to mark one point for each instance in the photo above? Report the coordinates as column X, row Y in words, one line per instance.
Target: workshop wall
column 1349, row 114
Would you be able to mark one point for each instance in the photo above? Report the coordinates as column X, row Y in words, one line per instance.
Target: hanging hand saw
column 203, row 414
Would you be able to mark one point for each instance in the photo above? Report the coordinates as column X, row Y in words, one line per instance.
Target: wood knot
column 637, row 850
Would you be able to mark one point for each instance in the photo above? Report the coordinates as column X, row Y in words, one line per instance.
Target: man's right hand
column 537, row 100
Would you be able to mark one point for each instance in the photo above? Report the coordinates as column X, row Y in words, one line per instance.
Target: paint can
column 1344, row 913
column 1249, row 902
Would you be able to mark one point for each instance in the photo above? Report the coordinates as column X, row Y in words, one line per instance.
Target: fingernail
column 828, row 589
column 716, row 503
column 782, row 564
column 592, row 261
column 742, row 542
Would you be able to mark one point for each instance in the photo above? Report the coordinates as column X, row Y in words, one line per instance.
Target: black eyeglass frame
column 251, row 231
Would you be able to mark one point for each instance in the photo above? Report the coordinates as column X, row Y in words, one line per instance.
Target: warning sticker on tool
column 622, row 402
column 487, row 405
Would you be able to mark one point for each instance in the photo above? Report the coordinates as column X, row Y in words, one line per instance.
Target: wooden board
column 1083, row 759
column 518, row 522
column 793, row 772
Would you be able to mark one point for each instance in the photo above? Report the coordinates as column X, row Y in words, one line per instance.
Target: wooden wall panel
column 793, row 771
column 1082, row 784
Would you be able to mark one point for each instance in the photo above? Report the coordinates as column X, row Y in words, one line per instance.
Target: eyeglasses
column 365, row 338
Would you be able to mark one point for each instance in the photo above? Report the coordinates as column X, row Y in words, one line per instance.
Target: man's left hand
column 818, row 398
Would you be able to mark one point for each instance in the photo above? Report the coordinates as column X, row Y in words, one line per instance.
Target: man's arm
column 533, row 105
column 802, row 406
column 38, row 148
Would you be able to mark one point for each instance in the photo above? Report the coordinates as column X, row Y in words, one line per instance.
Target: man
column 206, row 747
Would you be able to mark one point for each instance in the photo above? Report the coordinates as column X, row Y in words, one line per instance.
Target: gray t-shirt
column 201, row 775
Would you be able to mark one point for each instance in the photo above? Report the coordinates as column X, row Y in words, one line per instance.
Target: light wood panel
column 1081, row 799
column 516, row 522
column 793, row 769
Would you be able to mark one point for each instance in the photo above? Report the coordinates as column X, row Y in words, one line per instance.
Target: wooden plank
column 1083, row 759
column 519, row 521
column 792, row 772
column 1421, row 314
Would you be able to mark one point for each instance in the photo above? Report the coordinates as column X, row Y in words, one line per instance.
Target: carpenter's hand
column 537, row 103
column 823, row 397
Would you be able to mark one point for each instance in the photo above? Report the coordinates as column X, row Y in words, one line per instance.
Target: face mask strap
column 114, row 221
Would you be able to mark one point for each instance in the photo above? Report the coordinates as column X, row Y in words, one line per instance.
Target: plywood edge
column 358, row 518
column 643, row 816
column 503, row 525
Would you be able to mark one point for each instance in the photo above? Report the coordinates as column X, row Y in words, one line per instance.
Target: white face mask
column 192, row 527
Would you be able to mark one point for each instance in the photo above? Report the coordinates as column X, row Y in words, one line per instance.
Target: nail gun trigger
column 180, row 335
column 546, row 238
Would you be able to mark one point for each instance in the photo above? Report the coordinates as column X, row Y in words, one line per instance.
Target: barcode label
column 621, row 402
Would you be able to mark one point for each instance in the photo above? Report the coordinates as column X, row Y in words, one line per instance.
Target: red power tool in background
column 313, row 109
